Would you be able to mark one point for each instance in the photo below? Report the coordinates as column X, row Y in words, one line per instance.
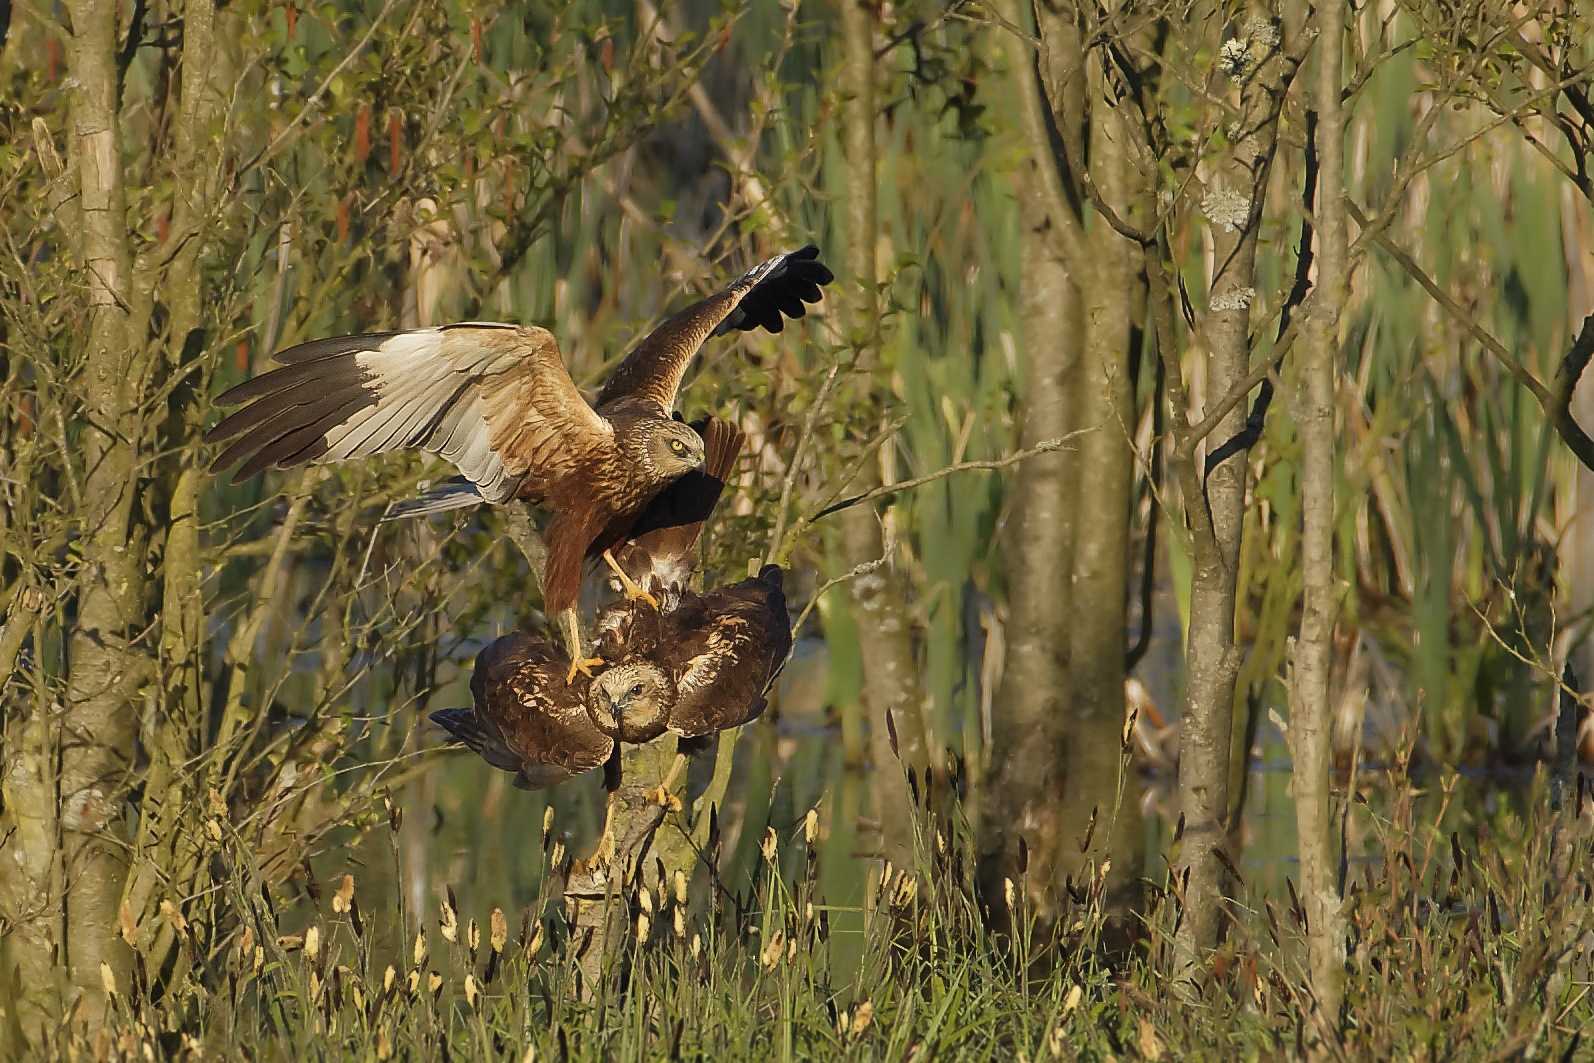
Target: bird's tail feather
column 470, row 728
column 456, row 493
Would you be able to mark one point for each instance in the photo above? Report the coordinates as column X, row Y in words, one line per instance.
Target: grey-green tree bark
column 1231, row 203
column 107, row 666
column 1055, row 763
column 1311, row 719
column 885, row 637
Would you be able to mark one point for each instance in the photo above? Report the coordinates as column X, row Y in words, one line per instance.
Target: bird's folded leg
column 633, row 592
column 662, row 795
column 578, row 663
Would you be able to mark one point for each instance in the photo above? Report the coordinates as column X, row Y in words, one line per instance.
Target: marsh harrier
column 498, row 402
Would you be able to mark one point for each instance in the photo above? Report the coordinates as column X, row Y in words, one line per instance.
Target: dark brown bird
column 710, row 660
column 530, row 719
column 497, row 402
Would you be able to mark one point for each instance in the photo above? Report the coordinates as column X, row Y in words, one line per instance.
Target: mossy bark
column 108, row 662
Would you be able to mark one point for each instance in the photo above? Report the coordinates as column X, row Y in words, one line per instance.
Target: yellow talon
column 604, row 854
column 633, row 592
column 584, row 665
column 664, row 797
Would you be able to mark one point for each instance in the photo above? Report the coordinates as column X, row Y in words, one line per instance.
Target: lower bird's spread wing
column 762, row 298
column 526, row 718
column 495, row 400
column 728, row 646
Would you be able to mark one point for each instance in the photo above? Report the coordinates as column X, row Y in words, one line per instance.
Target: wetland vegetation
column 1189, row 524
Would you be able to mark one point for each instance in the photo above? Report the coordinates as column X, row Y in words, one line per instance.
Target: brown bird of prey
column 708, row 663
column 530, row 719
column 498, row 402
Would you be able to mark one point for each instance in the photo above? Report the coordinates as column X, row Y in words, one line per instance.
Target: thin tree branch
column 1043, row 447
column 1556, row 404
column 292, row 128
column 789, row 482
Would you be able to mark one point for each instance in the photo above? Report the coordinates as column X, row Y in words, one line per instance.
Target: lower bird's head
column 670, row 449
column 631, row 701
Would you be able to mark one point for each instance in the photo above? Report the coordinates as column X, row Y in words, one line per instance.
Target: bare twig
column 788, row 484
column 1043, row 447
column 292, row 128
column 1556, row 404
column 852, row 573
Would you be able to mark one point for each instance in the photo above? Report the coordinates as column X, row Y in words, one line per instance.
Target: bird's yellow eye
column 678, row 446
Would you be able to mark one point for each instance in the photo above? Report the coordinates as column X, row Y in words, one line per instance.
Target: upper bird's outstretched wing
column 495, row 400
column 761, row 298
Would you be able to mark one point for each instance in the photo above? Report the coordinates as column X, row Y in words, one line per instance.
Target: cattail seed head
column 772, row 950
column 341, row 900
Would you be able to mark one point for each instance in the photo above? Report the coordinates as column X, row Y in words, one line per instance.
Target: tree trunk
column 1311, row 720
column 1056, row 739
column 1098, row 779
column 1024, row 789
column 1232, row 206
column 167, row 848
column 890, row 677
column 106, row 669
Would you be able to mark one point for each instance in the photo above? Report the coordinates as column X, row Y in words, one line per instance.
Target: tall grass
column 1469, row 942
